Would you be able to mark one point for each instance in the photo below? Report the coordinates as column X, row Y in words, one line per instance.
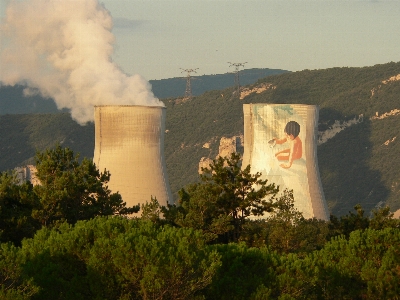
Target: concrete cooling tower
column 280, row 141
column 129, row 142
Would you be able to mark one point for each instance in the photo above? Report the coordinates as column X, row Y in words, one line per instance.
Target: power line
column 237, row 81
column 188, row 91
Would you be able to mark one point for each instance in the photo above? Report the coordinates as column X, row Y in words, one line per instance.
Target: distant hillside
column 359, row 128
column 175, row 87
column 13, row 100
column 22, row 135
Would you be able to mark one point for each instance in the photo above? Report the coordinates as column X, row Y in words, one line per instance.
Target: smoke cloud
column 63, row 49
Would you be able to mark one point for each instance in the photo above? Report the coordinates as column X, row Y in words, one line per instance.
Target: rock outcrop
column 338, row 126
column 392, row 79
column 258, row 89
column 393, row 112
column 227, row 146
column 204, row 163
column 27, row 173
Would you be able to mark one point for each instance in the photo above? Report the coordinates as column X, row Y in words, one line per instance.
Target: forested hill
column 13, row 100
column 359, row 127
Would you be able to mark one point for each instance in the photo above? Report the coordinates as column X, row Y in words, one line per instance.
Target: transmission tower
column 188, row 91
column 237, row 81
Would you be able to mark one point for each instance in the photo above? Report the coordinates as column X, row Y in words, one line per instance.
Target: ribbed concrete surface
column 263, row 122
column 129, row 142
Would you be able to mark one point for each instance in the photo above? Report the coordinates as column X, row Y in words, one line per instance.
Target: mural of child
column 292, row 130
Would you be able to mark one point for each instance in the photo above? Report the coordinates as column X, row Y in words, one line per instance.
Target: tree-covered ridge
column 22, row 135
column 355, row 165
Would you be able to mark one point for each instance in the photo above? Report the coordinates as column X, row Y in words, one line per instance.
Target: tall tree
column 225, row 198
column 71, row 190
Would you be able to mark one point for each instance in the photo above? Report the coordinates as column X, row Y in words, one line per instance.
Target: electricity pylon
column 237, row 81
column 188, row 91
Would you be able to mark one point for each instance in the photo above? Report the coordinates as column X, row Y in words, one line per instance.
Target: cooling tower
column 280, row 141
column 129, row 142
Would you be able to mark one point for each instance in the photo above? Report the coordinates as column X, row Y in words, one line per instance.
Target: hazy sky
column 155, row 38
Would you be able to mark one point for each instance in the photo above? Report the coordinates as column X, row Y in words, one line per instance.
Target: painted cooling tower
column 129, row 142
column 272, row 148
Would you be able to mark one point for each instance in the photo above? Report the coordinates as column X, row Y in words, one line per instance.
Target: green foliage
column 151, row 211
column 348, row 223
column 302, row 238
column 365, row 266
column 115, row 258
column 240, row 193
column 199, row 209
column 383, row 218
column 224, row 200
column 243, row 271
column 284, row 209
column 69, row 190
column 13, row 285
column 345, row 225
column 287, row 231
column 72, row 191
column 16, row 204
column 119, row 258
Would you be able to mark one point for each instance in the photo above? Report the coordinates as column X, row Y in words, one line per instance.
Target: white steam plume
column 63, row 48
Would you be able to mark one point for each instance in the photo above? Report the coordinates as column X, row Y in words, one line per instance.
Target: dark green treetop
column 16, row 204
column 71, row 190
column 224, row 199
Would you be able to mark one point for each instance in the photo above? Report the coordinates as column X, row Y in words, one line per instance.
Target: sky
column 158, row 38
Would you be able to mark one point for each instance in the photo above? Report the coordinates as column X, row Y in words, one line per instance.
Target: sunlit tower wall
column 129, row 142
column 263, row 125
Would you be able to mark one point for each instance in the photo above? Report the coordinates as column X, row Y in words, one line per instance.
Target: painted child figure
column 292, row 130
